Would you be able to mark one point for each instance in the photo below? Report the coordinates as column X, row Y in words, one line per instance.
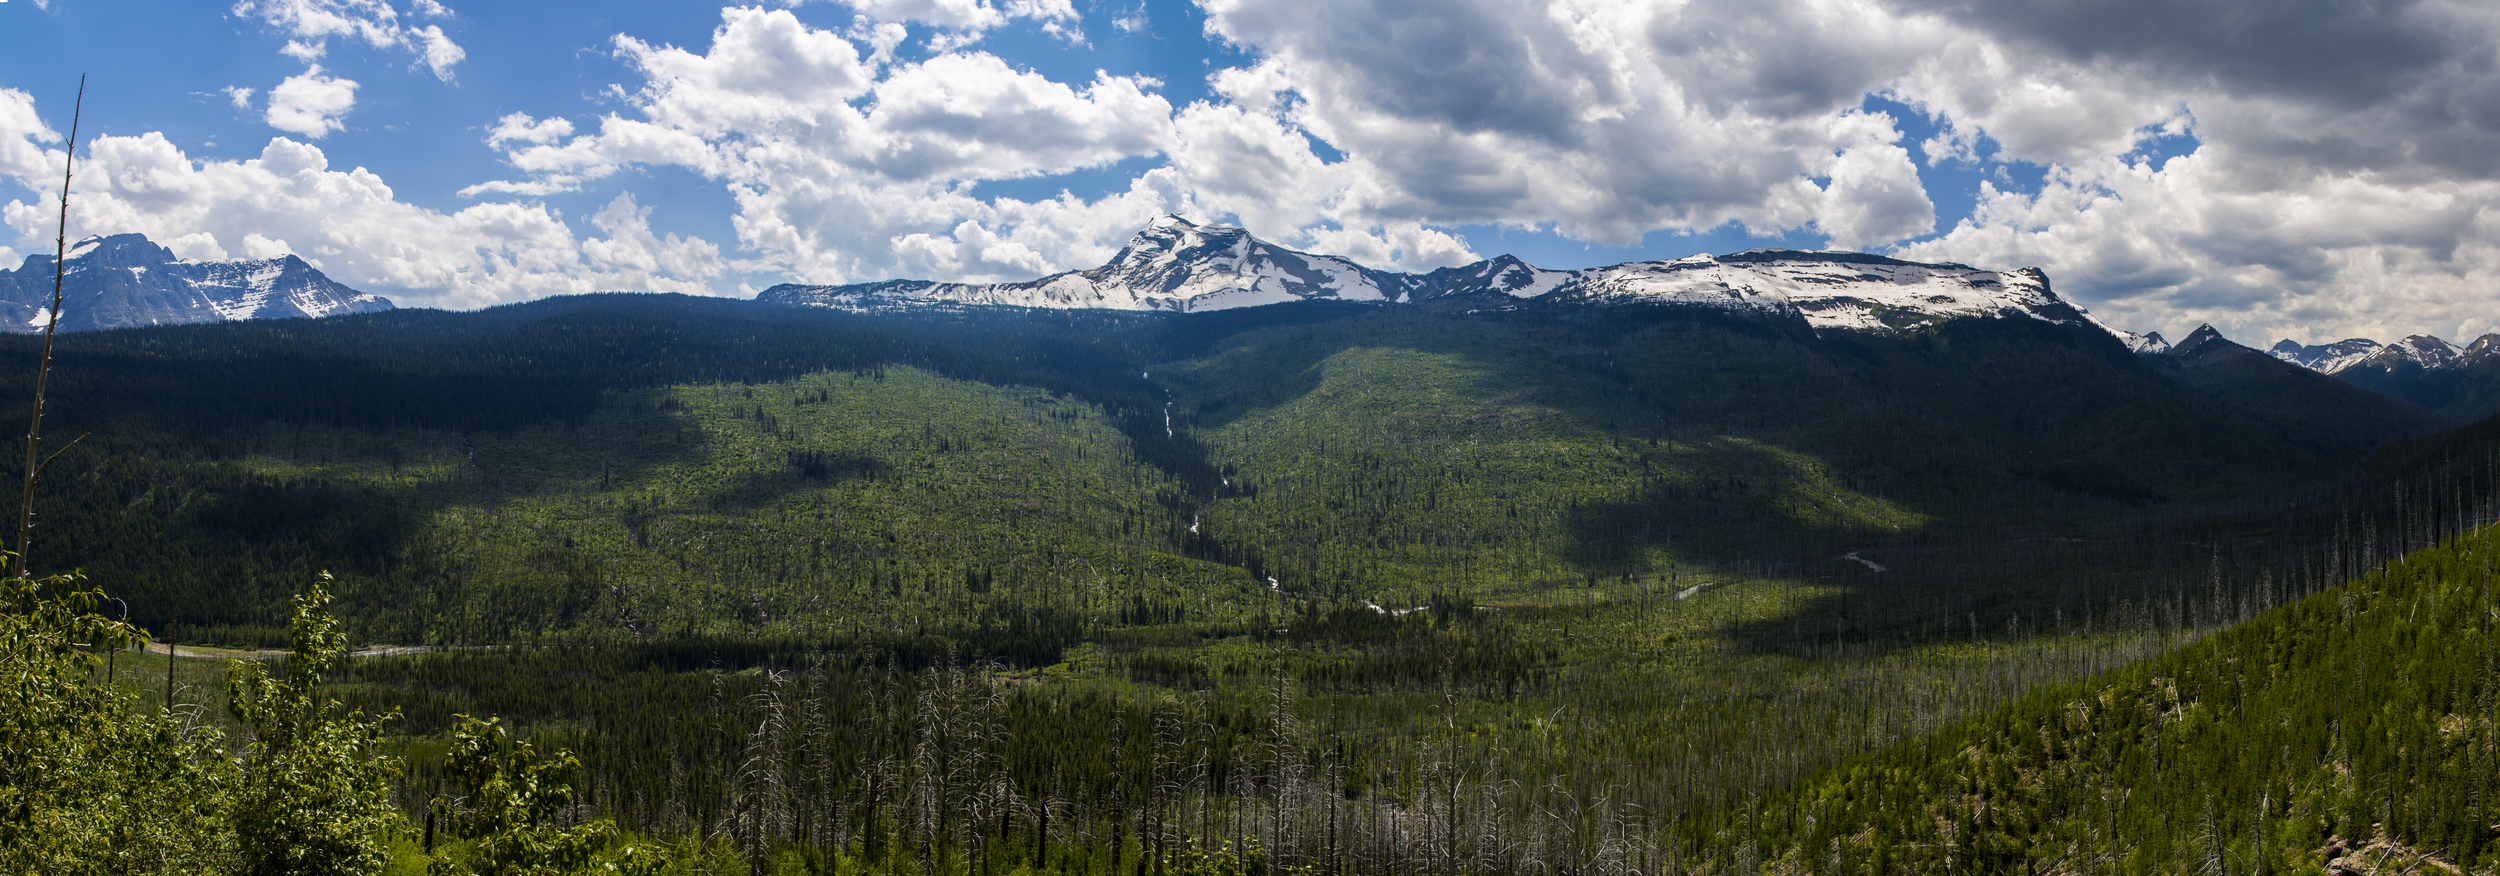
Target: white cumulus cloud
column 310, row 24
column 22, row 135
column 844, row 169
column 2344, row 181
column 520, row 127
column 964, row 21
column 2340, row 172
column 310, row 104
column 2316, row 258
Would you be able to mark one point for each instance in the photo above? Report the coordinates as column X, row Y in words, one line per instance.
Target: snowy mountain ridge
column 1180, row 266
column 2146, row 344
column 125, row 280
column 2424, row 351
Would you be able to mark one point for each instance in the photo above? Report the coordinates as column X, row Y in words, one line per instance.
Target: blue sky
column 510, row 151
column 427, row 137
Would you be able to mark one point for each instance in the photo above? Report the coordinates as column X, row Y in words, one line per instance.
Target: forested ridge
column 1321, row 586
column 2352, row 729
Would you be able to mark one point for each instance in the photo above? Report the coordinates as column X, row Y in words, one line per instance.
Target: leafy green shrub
column 314, row 798
column 514, row 795
column 87, row 783
column 1226, row 859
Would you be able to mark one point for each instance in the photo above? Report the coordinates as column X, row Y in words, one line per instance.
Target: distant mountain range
column 125, row 280
column 2209, row 365
column 2422, row 350
column 1174, row 265
column 1178, row 266
column 2460, row 382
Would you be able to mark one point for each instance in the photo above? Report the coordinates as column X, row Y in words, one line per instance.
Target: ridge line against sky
column 2310, row 169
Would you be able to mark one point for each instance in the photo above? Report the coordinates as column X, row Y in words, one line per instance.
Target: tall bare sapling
column 35, row 462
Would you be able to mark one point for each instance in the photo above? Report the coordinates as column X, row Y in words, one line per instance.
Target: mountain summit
column 125, row 280
column 1172, row 264
column 1177, row 265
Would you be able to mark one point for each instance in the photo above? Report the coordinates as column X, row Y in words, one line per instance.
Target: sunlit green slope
column 2360, row 725
column 825, row 503
column 1517, row 451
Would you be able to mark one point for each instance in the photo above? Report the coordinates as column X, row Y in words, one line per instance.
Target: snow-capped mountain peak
column 2325, row 358
column 1174, row 264
column 1185, row 266
column 1829, row 290
column 2428, row 351
column 127, row 280
column 2146, row 344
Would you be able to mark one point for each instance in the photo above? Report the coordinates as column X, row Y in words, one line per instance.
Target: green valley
column 1322, row 586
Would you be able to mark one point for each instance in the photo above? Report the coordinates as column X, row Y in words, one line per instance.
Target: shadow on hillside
column 1996, row 469
column 156, row 507
column 211, row 551
column 2187, row 572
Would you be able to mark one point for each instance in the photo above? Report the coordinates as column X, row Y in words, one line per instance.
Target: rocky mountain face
column 2146, row 344
column 2460, row 382
column 125, row 280
column 1176, row 265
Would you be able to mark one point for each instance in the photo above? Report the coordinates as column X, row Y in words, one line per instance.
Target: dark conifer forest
column 654, row 584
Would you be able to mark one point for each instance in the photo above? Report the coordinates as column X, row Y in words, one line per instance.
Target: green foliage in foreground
column 2359, row 723
column 87, row 784
column 91, row 785
column 509, row 814
column 314, row 798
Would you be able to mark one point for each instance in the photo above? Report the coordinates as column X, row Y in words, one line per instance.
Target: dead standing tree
column 35, row 461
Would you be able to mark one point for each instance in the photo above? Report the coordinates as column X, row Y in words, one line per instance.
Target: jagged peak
column 2429, row 347
column 129, row 249
column 2205, row 333
column 129, row 280
column 2327, row 358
